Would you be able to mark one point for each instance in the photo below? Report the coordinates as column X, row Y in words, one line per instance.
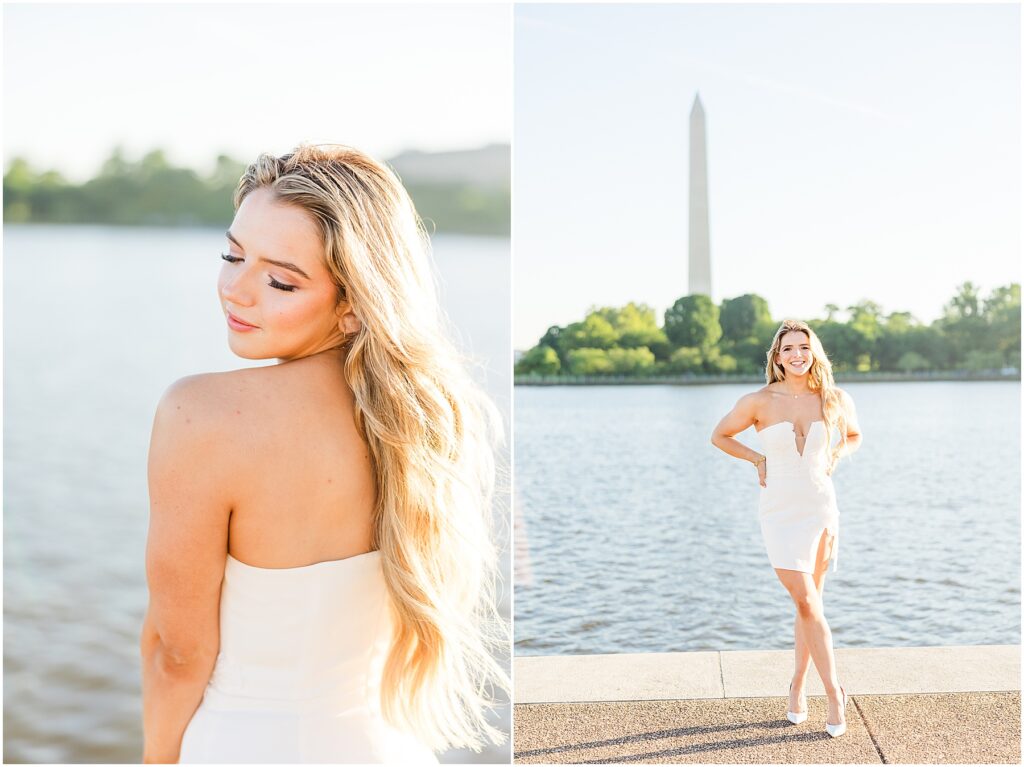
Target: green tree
column 928, row 341
column 716, row 362
column 841, row 343
column 540, row 359
column 963, row 324
column 965, row 303
column 551, row 336
column 686, row 359
column 631, row 361
column 894, row 340
column 749, row 354
column 115, row 166
column 911, row 361
column 981, row 359
column 1002, row 314
column 693, row 321
column 742, row 317
column 865, row 327
column 595, row 332
column 635, row 324
column 589, row 362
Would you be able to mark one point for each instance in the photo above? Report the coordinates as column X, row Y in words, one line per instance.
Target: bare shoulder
column 252, row 405
column 204, row 400
column 749, row 405
column 758, row 400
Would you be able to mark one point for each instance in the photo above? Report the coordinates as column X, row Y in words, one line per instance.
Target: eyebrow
column 283, row 264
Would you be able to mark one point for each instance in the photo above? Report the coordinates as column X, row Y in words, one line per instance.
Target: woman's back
column 305, row 617
column 304, row 487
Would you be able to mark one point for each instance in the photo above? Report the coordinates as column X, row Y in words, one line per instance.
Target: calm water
column 643, row 537
column 98, row 322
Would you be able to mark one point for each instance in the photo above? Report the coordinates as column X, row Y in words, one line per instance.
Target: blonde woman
column 796, row 415
column 320, row 560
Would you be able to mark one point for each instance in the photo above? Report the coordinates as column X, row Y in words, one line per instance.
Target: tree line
column 699, row 336
column 152, row 191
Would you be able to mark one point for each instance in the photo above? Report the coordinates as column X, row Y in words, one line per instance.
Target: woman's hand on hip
column 762, row 470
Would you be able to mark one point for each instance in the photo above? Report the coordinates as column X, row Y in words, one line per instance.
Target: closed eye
column 273, row 283
column 280, row 285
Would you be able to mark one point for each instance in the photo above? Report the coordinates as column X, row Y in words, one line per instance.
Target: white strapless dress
column 298, row 675
column 799, row 500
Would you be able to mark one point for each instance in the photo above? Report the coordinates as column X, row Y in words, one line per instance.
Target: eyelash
column 273, row 283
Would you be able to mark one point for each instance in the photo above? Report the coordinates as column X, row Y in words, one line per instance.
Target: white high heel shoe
column 835, row 730
column 796, row 717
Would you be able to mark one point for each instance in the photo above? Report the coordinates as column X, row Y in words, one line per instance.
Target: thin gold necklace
column 804, row 394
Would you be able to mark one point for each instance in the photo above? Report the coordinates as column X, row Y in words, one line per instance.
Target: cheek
column 304, row 313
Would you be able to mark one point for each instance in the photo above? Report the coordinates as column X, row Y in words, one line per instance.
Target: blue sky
column 854, row 152
column 243, row 78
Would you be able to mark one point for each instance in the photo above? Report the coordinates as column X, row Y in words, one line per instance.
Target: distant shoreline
column 212, row 227
column 693, row 379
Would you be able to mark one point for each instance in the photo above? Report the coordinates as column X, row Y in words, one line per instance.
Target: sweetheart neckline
column 777, row 423
column 799, row 453
column 304, row 567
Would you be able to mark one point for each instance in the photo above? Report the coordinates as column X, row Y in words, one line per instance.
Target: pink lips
column 236, row 324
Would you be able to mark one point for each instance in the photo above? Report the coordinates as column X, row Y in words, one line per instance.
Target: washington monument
column 700, row 241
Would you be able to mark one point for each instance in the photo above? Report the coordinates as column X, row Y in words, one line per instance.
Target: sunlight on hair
column 431, row 433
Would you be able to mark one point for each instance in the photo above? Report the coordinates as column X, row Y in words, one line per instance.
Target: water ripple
column 641, row 537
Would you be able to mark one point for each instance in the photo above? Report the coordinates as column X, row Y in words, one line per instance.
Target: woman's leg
column 812, row 627
column 803, row 652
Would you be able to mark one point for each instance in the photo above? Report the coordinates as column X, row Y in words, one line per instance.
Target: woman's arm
column 853, row 435
column 185, row 556
column 742, row 416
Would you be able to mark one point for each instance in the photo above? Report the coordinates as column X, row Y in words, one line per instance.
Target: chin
column 248, row 351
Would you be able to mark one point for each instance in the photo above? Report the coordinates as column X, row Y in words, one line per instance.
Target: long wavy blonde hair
column 819, row 376
column 431, row 433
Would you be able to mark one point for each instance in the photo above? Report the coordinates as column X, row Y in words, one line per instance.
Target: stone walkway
column 907, row 705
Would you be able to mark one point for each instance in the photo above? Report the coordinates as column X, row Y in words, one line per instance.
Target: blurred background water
column 98, row 322
column 640, row 536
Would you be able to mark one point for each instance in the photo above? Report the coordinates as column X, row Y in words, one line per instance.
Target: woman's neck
column 795, row 387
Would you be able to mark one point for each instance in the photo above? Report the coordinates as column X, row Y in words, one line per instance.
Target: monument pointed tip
column 698, row 105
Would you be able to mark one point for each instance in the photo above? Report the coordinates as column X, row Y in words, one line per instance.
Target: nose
column 235, row 286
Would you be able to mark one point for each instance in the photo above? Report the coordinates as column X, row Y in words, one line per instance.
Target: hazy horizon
column 209, row 165
column 93, row 76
